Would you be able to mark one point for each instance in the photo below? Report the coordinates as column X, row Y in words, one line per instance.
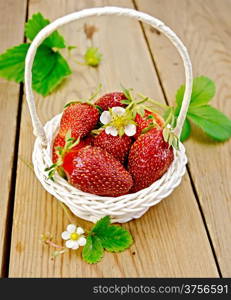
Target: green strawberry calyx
column 139, row 103
column 168, row 131
column 170, row 137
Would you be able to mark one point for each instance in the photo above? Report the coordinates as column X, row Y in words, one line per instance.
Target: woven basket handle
column 102, row 11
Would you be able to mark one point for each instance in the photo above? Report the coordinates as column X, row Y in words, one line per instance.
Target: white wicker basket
column 88, row 206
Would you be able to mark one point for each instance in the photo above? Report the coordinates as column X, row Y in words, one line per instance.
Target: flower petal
column 80, row 230
column 111, row 130
column 69, row 243
column 105, row 117
column 130, row 129
column 82, row 241
column 66, row 235
column 71, row 228
column 118, row 110
column 75, row 245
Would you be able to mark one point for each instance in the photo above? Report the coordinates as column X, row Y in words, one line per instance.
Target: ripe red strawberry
column 94, row 170
column 115, row 145
column 80, row 118
column 59, row 142
column 149, row 158
column 111, row 100
column 146, row 121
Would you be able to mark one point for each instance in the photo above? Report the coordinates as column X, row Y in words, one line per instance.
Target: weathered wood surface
column 204, row 26
column 11, row 33
column 173, row 232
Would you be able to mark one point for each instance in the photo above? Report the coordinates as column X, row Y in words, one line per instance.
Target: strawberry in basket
column 111, row 100
column 94, row 170
column 59, row 145
column 131, row 147
column 90, row 169
column 116, row 137
column 80, row 118
column 147, row 122
column 117, row 146
column 62, row 146
column 149, row 159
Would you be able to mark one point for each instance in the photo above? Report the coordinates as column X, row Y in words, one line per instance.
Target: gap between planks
column 195, row 192
column 10, row 209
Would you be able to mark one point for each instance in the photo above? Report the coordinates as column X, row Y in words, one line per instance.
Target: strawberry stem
column 49, row 242
column 162, row 105
column 96, row 92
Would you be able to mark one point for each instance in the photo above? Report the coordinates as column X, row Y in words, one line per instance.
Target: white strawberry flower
column 130, row 129
column 74, row 237
column 105, row 117
column 117, row 120
column 111, row 130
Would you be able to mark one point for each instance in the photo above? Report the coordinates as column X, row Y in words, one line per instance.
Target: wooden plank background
column 205, row 29
column 11, row 33
column 187, row 234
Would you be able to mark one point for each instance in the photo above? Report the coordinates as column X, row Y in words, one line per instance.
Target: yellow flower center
column 74, row 236
column 119, row 122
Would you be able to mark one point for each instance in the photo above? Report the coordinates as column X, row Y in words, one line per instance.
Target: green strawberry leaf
column 101, row 225
column 211, row 121
column 36, row 24
column 44, row 63
column 186, row 130
column 114, row 238
column 12, row 63
column 202, row 92
column 49, row 67
column 92, row 57
column 49, row 75
column 93, row 250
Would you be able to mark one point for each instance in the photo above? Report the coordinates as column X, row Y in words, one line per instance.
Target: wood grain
column 11, row 33
column 204, row 27
column 170, row 240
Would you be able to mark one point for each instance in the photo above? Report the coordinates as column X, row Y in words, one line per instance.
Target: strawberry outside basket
column 88, row 206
